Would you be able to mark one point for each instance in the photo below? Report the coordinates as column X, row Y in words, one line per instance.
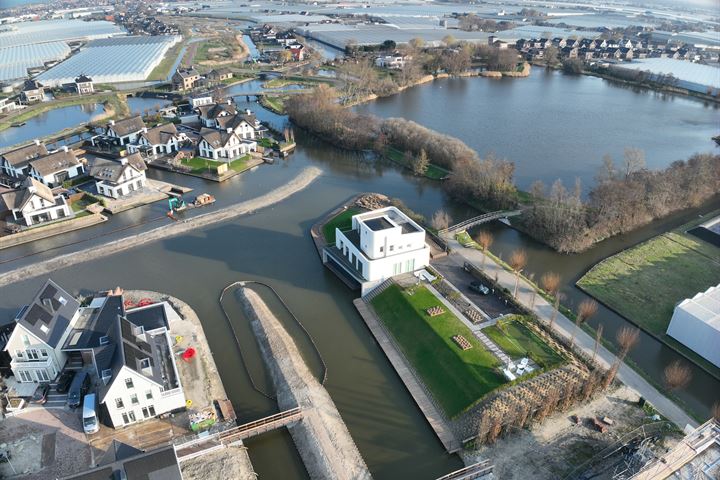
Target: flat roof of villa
column 377, row 224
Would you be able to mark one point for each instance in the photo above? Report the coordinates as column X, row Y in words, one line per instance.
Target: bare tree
column 518, row 260
column 715, row 411
column 550, row 282
column 587, row 309
column 550, row 55
column 627, row 338
column 633, row 161
column 441, row 220
column 677, row 375
column 485, row 239
column 598, row 337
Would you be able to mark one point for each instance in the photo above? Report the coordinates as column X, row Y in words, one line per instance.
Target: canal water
column 274, row 246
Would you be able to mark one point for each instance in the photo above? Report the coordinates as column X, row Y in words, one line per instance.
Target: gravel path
column 323, row 440
column 300, row 182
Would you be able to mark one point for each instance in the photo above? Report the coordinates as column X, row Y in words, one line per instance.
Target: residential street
column 564, row 326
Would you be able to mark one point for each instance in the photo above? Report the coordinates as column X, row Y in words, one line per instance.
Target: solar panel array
column 121, row 59
column 15, row 61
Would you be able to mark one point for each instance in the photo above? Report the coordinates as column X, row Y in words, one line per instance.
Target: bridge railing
column 486, row 217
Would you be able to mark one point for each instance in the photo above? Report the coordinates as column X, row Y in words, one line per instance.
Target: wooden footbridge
column 484, row 218
column 206, row 443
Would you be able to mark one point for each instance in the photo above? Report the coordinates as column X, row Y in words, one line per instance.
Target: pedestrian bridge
column 484, row 218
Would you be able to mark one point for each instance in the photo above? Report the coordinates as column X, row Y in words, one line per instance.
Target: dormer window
column 104, row 340
column 62, row 300
column 145, row 363
column 106, row 375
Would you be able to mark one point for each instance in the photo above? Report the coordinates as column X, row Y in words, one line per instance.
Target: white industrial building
column 691, row 76
column 381, row 244
column 696, row 324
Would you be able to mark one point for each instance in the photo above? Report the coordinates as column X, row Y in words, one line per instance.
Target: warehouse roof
column 680, row 69
column 704, row 306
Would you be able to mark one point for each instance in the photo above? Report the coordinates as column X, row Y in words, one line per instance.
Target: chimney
column 247, row 110
column 144, row 129
column 37, row 142
column 229, row 130
column 65, row 148
column 229, row 101
column 123, row 161
column 111, row 122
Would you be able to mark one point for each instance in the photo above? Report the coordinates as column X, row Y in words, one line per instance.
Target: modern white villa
column 381, row 244
column 159, row 139
column 224, row 146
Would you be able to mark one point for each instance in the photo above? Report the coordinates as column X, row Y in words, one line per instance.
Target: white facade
column 133, row 397
column 33, row 360
column 56, row 179
column 696, row 324
column 200, row 100
column 130, row 181
column 396, row 62
column 383, row 243
column 39, row 210
column 234, row 148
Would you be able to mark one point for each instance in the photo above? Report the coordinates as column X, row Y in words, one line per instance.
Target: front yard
column 457, row 378
column 433, row 172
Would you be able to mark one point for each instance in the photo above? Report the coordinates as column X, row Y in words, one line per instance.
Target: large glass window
column 134, row 399
column 129, row 383
column 119, row 403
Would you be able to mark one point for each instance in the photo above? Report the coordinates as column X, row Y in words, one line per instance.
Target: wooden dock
column 433, row 415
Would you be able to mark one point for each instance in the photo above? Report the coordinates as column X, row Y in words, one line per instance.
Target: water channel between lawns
column 274, row 246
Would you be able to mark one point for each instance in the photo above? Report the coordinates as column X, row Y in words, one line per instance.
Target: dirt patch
column 44, row 444
column 557, row 446
column 230, row 462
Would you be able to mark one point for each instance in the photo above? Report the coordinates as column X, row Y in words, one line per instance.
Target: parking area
column 492, row 304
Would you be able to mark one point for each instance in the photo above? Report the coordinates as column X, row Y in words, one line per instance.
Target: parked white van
column 90, row 420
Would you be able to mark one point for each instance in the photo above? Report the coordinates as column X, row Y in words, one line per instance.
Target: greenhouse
column 692, row 76
column 43, row 31
column 15, row 61
column 112, row 60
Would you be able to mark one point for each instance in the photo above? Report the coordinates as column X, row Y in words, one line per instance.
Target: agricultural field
column 457, row 378
column 644, row 283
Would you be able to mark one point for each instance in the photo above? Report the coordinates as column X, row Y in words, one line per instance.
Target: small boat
column 204, row 199
column 17, row 124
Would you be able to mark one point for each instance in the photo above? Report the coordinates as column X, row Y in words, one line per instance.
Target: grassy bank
column 202, row 165
column 433, row 172
column 457, row 378
column 162, row 71
column 40, row 108
column 644, row 283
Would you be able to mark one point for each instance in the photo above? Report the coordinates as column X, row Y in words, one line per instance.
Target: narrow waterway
column 274, row 246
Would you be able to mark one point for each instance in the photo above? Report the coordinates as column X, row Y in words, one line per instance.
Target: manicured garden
column 517, row 340
column 645, row 283
column 342, row 220
column 457, row 378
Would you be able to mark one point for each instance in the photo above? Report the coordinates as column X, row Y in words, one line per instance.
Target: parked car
column 79, row 387
column 63, row 383
column 479, row 288
column 90, row 420
column 41, row 393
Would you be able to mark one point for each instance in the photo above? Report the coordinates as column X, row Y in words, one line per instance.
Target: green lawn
column 342, row 220
column 162, row 70
column 645, row 282
column 518, row 341
column 456, row 378
column 433, row 172
column 201, row 165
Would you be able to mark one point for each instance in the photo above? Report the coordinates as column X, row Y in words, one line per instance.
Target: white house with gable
column 41, row 328
column 381, row 244
column 118, row 178
column 34, row 203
